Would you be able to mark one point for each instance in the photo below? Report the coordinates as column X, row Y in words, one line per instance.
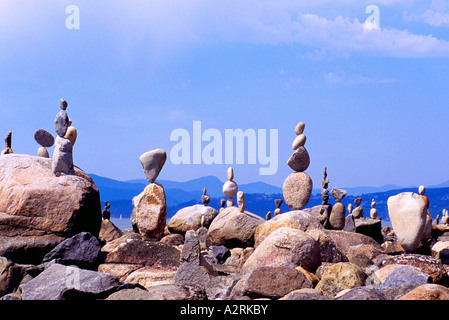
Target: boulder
column 28, row 249
column 285, row 247
column 221, row 286
column 429, row 291
column 150, row 212
column 59, row 282
column 370, row 227
column 81, row 250
column 34, row 202
column 270, row 282
column 293, row 219
column 404, row 275
column 305, row 294
column 109, row 231
column 440, row 250
column 149, row 276
column 233, row 228
column 10, row 276
column 194, row 269
column 297, row 189
column 345, row 240
column 340, row 276
column 432, row 266
column 363, row 293
column 189, row 218
column 408, row 216
column 145, row 253
column 131, row 294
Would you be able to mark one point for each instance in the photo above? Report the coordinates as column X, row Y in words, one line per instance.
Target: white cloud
column 435, row 18
column 169, row 27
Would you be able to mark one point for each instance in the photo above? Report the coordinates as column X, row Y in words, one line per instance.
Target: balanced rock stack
column 8, row 142
column 230, row 188
column 297, row 188
column 45, row 140
column 193, row 217
column 233, row 226
column 338, row 213
column 62, row 155
column 150, row 208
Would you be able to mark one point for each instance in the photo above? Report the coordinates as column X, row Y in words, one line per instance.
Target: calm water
column 122, row 224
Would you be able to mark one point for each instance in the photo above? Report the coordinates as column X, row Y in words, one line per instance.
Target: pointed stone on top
column 152, row 163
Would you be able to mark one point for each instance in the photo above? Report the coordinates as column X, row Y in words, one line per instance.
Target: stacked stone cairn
column 106, row 213
column 278, row 203
column 150, row 208
column 338, row 213
column 205, row 199
column 357, row 213
column 62, row 155
column 326, row 207
column 230, row 188
column 297, row 187
column 8, row 142
column 373, row 211
column 45, row 140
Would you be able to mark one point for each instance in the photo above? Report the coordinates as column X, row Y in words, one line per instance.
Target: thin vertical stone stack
column 297, row 188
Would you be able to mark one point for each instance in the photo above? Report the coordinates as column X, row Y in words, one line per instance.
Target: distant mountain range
column 259, row 196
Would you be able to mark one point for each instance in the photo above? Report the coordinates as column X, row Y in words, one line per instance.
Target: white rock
column 299, row 129
column 299, row 141
column 408, row 215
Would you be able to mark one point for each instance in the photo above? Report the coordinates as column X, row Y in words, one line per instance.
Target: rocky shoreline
column 56, row 243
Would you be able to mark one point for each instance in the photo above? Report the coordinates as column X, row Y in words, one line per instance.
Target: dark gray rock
column 81, row 250
column 219, row 253
column 59, row 282
column 194, row 269
column 44, row 138
column 405, row 275
column 349, row 223
column 61, row 123
column 221, row 286
column 370, row 227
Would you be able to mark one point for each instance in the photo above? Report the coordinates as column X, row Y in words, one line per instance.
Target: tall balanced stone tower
column 298, row 186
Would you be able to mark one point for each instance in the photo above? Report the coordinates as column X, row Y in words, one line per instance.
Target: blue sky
column 375, row 101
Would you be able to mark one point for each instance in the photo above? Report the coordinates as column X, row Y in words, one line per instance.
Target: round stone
column 43, row 152
column 299, row 129
column 299, row 141
column 297, row 189
column 299, row 161
column 230, row 188
column 337, row 216
column 63, row 104
column 44, row 138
